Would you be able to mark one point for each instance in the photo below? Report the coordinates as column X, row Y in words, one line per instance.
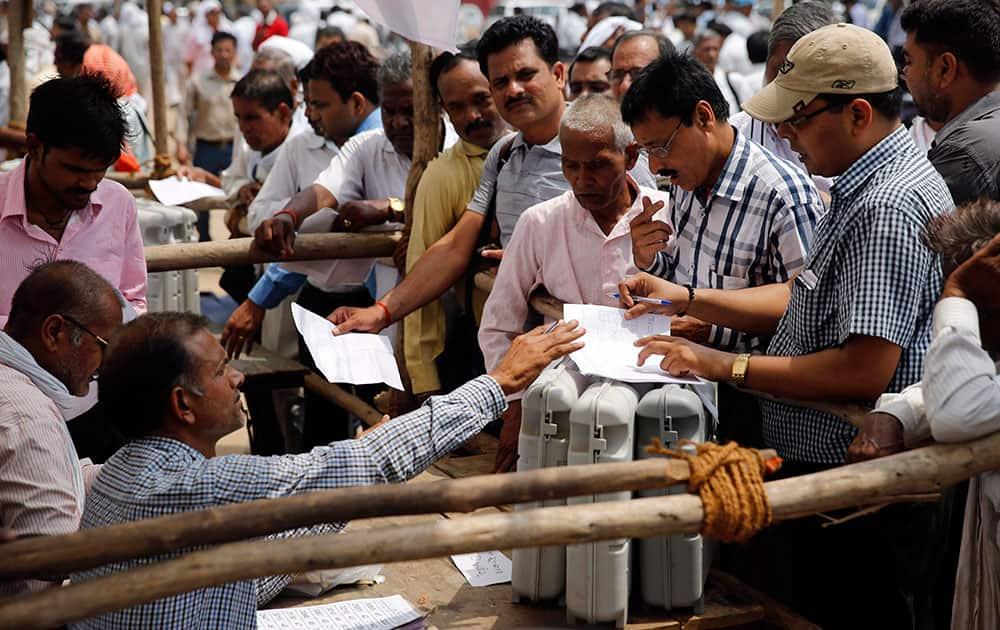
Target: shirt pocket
column 730, row 283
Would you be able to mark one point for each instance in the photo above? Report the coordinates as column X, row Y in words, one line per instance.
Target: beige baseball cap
column 836, row 59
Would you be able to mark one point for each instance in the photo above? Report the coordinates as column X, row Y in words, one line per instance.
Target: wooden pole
column 161, row 162
column 923, row 470
column 53, row 555
column 426, row 122
column 342, row 398
column 239, row 251
column 17, row 20
column 776, row 9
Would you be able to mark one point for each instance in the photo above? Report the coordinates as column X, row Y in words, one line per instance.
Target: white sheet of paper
column 609, row 349
column 174, row 192
column 376, row 613
column 484, row 568
column 358, row 358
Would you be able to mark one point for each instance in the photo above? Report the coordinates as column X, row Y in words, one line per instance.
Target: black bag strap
column 489, row 232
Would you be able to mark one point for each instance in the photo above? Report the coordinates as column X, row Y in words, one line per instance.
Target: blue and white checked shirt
column 755, row 229
column 873, row 276
column 157, row 476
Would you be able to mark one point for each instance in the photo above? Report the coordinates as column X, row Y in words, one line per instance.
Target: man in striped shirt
column 50, row 348
column 743, row 216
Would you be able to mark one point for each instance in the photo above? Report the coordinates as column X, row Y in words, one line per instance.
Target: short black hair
column 443, row 63
column 590, row 54
column 97, row 125
column 721, row 28
column 685, row 17
column 63, row 287
column 66, row 23
column 969, row 29
column 329, row 31
column 888, row 104
column 349, row 67
column 757, row 46
column 663, row 44
column 145, row 360
column 672, row 86
column 508, row 31
column 265, row 87
column 71, row 46
column 614, row 9
column 221, row 36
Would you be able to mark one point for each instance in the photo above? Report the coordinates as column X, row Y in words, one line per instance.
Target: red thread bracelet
column 388, row 315
column 291, row 213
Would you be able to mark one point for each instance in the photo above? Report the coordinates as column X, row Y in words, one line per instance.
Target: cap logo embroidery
column 798, row 106
column 786, row 67
column 843, row 84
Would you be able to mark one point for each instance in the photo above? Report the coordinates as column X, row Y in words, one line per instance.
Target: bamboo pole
column 161, row 162
column 919, row 471
column 52, row 555
column 342, row 398
column 776, row 9
column 426, row 122
column 17, row 16
column 239, row 251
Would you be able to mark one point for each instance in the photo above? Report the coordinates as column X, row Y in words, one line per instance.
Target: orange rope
column 730, row 481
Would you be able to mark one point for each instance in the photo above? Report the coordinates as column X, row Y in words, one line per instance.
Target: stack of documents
column 175, row 192
column 378, row 613
column 609, row 349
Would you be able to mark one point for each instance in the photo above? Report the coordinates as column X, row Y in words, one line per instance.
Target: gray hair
column 396, row 69
column 701, row 36
column 279, row 61
column 799, row 20
column 959, row 235
column 597, row 112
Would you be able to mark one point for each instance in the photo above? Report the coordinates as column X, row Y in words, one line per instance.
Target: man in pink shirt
column 577, row 245
column 57, row 205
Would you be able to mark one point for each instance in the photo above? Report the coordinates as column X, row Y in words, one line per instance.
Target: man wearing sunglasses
column 50, row 349
column 743, row 216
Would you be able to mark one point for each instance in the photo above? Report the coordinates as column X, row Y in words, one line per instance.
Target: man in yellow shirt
column 443, row 194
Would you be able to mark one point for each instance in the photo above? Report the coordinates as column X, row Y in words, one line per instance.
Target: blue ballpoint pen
column 645, row 300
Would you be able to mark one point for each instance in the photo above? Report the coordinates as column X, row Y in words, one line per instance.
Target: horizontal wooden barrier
column 240, row 251
column 885, row 480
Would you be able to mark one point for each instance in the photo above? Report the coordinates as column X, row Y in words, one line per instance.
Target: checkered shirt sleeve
column 157, row 476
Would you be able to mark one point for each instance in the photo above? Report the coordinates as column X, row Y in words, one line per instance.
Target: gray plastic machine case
column 672, row 569
column 160, row 224
column 597, row 574
column 540, row 573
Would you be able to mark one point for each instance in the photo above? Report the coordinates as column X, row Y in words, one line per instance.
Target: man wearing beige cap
column 853, row 324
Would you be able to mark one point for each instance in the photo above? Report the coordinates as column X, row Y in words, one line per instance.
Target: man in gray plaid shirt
column 167, row 384
column 853, row 324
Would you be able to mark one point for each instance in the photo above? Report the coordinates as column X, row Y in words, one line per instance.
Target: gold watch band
column 740, row 366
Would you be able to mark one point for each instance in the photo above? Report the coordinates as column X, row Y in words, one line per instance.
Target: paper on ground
column 315, row 583
column 358, row 358
column 377, row 613
column 609, row 349
column 174, row 192
column 484, row 568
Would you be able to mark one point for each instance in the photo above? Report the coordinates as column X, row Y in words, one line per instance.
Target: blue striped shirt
column 156, row 476
column 755, row 229
column 873, row 277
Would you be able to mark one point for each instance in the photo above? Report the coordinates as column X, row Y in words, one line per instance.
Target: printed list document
column 609, row 349
column 376, row 613
column 358, row 358
column 174, row 192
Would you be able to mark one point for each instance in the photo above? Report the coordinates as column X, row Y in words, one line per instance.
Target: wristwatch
column 397, row 210
column 740, row 365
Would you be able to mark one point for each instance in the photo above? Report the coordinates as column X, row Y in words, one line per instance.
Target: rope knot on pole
column 730, row 481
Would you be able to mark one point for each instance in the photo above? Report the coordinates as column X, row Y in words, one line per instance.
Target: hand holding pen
column 643, row 293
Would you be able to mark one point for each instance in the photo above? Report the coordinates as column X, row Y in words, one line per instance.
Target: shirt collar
column 552, row 146
column 985, row 105
column 732, row 181
column 372, row 121
column 857, row 173
column 469, row 149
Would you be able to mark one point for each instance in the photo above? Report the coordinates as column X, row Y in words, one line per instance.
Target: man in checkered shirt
column 853, row 324
column 167, row 384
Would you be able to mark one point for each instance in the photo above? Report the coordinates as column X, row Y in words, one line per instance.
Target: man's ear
column 180, row 407
column 704, row 116
column 284, row 113
column 35, row 147
column 862, row 114
column 559, row 72
column 356, row 102
column 631, row 155
column 946, row 69
column 53, row 327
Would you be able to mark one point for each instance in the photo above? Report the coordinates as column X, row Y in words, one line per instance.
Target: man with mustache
column 519, row 56
column 743, row 216
column 56, row 205
column 444, row 192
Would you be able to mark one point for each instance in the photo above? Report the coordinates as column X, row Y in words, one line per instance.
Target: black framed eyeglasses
column 661, row 151
column 798, row 121
column 101, row 341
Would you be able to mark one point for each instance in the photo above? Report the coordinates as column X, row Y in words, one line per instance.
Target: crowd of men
column 757, row 176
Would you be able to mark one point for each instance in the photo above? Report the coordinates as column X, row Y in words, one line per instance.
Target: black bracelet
column 690, row 299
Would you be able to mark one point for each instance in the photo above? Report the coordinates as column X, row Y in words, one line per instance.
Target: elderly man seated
column 50, row 349
column 577, row 245
column 170, row 367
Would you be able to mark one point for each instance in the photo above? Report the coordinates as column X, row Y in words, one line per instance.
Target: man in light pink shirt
column 57, row 206
column 577, row 245
column 50, row 349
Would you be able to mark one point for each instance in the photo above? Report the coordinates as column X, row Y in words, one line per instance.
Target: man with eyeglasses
column 743, row 216
column 632, row 52
column 61, row 316
column 855, row 323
